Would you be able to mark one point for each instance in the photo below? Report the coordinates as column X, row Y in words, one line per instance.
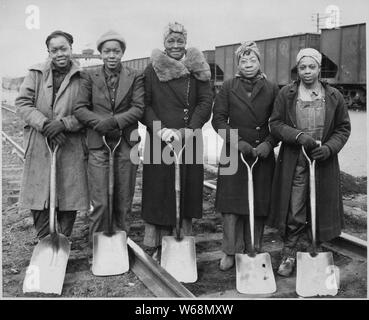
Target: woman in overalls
column 306, row 112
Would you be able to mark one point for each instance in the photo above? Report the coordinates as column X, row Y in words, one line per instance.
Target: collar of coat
column 293, row 88
column 45, row 68
column 167, row 68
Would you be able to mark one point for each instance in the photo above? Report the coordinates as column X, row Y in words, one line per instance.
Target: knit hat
column 246, row 48
column 309, row 52
column 174, row 27
column 58, row 33
column 111, row 35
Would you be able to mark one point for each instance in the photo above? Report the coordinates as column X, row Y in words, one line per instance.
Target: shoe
column 227, row 262
column 286, row 267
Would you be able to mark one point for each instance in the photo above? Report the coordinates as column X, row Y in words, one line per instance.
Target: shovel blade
column 254, row 275
column 316, row 275
column 178, row 257
column 110, row 254
column 47, row 267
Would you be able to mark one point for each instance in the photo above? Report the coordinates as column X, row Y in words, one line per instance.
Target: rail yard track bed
column 19, row 240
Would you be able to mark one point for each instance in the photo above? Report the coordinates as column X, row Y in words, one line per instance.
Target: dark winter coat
column 250, row 115
column 337, row 129
column 166, row 101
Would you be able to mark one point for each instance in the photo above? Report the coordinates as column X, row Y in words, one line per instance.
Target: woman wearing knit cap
column 45, row 103
column 307, row 111
column 245, row 103
column 178, row 100
column 111, row 101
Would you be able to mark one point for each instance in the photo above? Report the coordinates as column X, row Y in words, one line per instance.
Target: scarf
column 167, row 68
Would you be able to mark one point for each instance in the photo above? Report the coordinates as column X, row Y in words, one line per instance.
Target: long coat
column 94, row 104
column 336, row 131
column 34, row 106
column 165, row 102
column 233, row 109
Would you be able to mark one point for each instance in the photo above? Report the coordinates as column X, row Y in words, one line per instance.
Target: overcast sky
column 209, row 23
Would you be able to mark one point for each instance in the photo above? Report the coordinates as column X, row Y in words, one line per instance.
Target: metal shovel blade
column 316, row 275
column 178, row 257
column 254, row 275
column 47, row 267
column 110, row 254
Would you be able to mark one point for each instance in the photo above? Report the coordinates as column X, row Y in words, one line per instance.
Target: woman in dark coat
column 178, row 100
column 305, row 112
column 244, row 103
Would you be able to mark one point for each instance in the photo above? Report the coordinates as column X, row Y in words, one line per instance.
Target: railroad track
column 348, row 251
column 345, row 240
column 160, row 282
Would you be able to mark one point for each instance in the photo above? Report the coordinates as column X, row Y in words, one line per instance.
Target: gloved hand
column 246, row 149
column 52, row 128
column 307, row 141
column 168, row 135
column 59, row 139
column 263, row 150
column 114, row 135
column 320, row 153
column 106, row 125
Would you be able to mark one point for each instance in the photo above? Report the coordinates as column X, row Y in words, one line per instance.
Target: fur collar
column 167, row 68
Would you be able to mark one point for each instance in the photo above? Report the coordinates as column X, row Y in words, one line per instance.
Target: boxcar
column 277, row 56
column 346, row 48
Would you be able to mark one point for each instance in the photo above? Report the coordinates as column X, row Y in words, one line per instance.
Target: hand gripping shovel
column 316, row 273
column 110, row 254
column 254, row 273
column 48, row 264
column 178, row 255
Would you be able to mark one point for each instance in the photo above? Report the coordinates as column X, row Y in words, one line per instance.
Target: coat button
column 257, row 128
column 257, row 141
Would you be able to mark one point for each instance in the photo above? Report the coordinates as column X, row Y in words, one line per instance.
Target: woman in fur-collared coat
column 178, row 100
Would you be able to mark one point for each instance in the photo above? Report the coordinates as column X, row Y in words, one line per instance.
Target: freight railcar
column 343, row 63
column 346, row 49
column 277, row 56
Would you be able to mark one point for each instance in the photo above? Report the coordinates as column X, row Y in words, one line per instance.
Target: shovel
column 254, row 273
column 48, row 264
column 110, row 254
column 316, row 273
column 178, row 255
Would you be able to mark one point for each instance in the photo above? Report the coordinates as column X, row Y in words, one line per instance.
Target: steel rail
column 345, row 240
column 8, row 107
column 155, row 278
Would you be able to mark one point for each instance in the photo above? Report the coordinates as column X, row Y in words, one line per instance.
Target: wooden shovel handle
column 111, row 182
column 312, row 189
column 251, row 200
column 52, row 204
column 177, row 159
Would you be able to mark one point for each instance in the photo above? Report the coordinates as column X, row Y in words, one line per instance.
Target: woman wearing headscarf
column 305, row 112
column 45, row 103
column 245, row 103
column 178, row 101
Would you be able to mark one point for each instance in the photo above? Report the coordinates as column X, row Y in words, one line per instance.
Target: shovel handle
column 312, row 188
column 111, row 182
column 177, row 161
column 251, row 200
column 52, row 217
